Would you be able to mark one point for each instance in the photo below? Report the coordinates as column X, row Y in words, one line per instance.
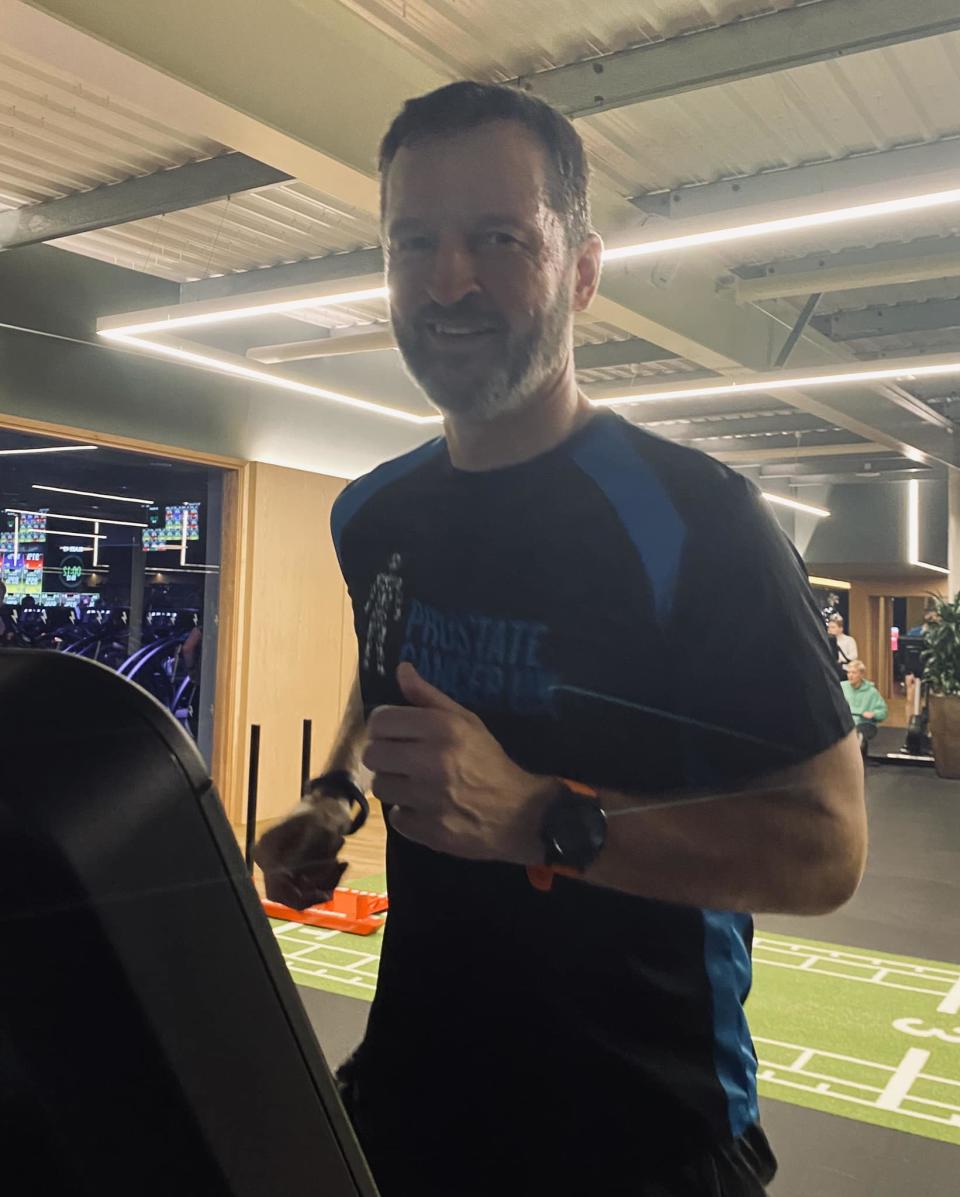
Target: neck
column 558, row 411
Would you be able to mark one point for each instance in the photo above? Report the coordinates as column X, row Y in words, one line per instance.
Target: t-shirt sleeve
column 752, row 673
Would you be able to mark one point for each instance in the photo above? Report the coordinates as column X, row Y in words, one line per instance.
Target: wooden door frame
column 228, row 758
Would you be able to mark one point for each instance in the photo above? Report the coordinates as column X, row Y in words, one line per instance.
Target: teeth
column 458, row 330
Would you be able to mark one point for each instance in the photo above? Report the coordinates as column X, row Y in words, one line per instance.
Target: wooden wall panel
column 870, row 618
column 292, row 639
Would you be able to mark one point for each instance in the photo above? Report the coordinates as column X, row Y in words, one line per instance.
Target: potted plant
column 941, row 672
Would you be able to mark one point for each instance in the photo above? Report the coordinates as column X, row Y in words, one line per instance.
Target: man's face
column 855, row 675
column 482, row 282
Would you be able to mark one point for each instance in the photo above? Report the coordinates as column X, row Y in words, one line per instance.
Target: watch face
column 574, row 830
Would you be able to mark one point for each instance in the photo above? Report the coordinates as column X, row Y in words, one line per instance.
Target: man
column 559, row 1006
column 867, row 705
column 846, row 645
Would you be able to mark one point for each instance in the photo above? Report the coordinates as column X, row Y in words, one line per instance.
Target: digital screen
column 169, row 533
column 23, row 574
column 53, row 598
column 180, row 513
column 33, row 527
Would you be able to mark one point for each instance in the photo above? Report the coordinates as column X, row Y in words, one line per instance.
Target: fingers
column 395, row 790
column 304, row 888
column 421, row 694
column 310, row 835
column 412, row 825
column 408, row 723
column 407, row 759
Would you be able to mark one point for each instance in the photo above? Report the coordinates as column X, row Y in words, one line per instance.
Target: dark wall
column 868, row 525
column 56, row 291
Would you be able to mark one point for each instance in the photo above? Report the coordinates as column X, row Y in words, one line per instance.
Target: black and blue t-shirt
column 600, row 608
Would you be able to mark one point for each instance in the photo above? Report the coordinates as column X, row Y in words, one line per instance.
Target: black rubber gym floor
column 908, row 904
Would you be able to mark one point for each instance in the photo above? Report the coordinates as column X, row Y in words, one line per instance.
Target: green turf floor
column 845, row 1031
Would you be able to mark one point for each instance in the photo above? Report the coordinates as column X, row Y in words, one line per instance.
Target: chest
column 541, row 621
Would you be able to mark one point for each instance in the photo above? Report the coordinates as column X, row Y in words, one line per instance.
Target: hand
column 450, row 784
column 299, row 855
column 869, row 715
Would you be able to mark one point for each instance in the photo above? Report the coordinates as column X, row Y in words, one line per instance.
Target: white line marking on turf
column 802, row 1060
column 822, row 972
column 951, row 1003
column 902, row 1080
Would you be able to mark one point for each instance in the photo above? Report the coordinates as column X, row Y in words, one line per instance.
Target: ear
column 587, row 272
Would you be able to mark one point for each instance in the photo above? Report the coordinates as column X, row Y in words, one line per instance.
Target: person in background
column 846, row 645
column 867, row 705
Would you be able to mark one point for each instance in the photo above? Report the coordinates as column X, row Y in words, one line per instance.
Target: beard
column 501, row 375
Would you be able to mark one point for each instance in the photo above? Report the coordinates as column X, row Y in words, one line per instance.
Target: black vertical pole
column 252, row 784
column 305, row 755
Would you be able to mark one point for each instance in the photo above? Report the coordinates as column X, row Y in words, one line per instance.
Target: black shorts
column 740, row 1168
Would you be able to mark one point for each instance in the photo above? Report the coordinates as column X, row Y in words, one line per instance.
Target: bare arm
column 350, row 740
column 797, row 845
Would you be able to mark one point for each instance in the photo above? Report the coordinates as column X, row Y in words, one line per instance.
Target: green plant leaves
column 941, row 657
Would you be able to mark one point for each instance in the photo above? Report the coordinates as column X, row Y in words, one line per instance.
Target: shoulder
column 616, row 450
column 354, row 497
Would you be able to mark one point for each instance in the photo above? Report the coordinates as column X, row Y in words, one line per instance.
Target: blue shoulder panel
column 359, row 493
column 645, row 509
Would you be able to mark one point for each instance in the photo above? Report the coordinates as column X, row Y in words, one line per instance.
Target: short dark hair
column 465, row 105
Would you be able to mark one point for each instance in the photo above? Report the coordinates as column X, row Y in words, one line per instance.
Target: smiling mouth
column 452, row 333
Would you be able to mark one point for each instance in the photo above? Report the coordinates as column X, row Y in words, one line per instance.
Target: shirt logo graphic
column 383, row 608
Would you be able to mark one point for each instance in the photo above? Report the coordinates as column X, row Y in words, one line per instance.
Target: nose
column 454, row 274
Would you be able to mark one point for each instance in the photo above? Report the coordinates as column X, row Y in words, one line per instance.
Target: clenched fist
column 299, row 855
column 450, row 784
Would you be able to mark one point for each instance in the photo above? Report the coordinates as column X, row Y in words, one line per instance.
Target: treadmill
column 151, row 1039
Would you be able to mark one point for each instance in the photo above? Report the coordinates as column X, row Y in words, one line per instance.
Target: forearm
column 351, row 738
column 783, row 848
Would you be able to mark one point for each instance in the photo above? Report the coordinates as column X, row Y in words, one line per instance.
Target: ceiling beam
column 909, row 170
column 784, row 440
column 774, row 454
column 852, row 269
column 135, row 199
column 788, row 422
column 879, row 466
column 891, row 320
column 330, row 268
column 817, row 32
column 632, row 351
column 276, row 90
column 586, row 357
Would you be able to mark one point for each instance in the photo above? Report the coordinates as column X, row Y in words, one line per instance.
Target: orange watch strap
column 541, row 876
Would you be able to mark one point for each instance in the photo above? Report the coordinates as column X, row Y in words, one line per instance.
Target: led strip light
column 808, row 508
column 913, row 529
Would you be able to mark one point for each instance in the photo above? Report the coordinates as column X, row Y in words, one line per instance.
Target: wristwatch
column 339, row 784
column 573, row 832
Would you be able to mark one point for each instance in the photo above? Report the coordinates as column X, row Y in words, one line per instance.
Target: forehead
column 500, row 167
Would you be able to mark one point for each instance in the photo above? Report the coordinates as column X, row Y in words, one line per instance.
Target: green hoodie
column 866, row 697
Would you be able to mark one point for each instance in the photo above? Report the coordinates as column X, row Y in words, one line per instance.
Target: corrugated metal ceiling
column 58, row 136
column 284, row 223
column 500, row 39
column 902, row 95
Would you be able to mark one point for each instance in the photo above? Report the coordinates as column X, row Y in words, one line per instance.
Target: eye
column 499, row 239
column 414, row 243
